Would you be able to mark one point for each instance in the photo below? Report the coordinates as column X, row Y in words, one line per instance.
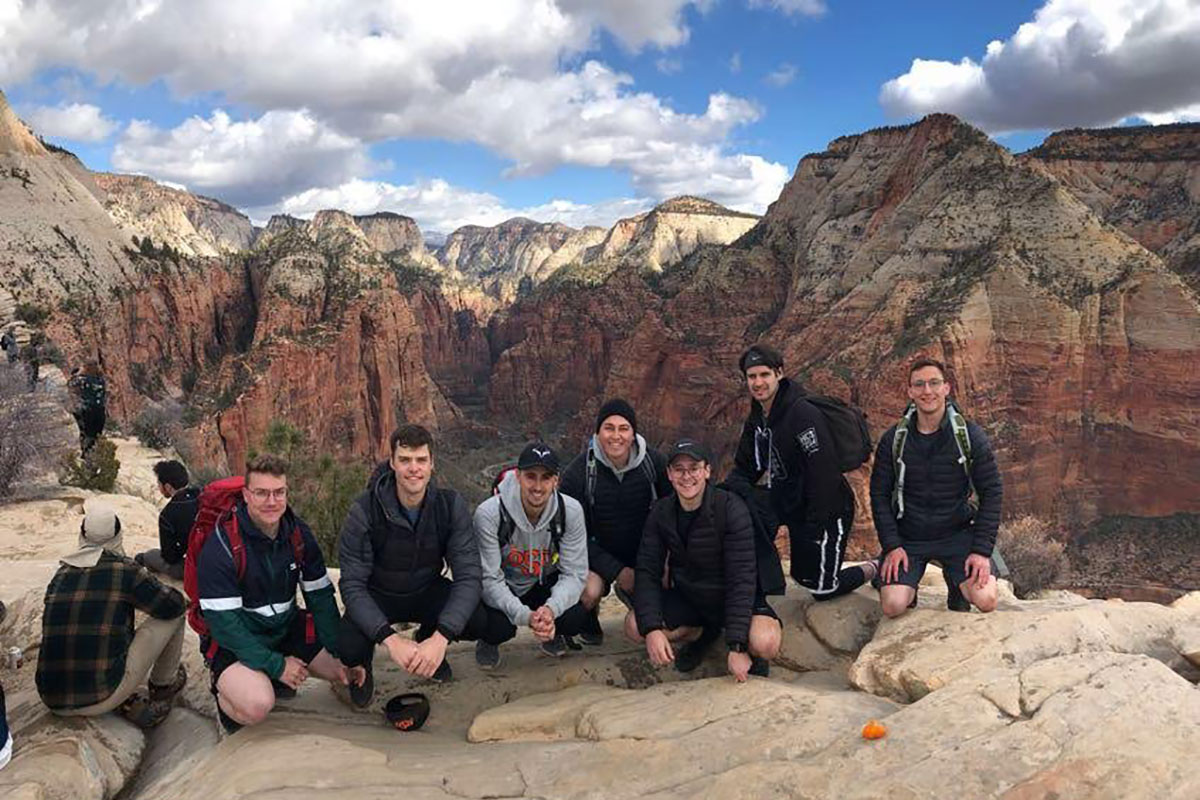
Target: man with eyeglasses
column 936, row 495
column 266, row 646
column 704, row 537
column 786, row 445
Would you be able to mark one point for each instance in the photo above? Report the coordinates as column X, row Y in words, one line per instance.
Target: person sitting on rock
column 174, row 521
column 705, row 539
column 397, row 539
column 786, row 443
column 616, row 480
column 533, row 546
column 936, row 495
column 91, row 659
column 266, row 646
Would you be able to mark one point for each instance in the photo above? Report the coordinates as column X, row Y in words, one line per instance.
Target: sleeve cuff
column 384, row 631
column 449, row 633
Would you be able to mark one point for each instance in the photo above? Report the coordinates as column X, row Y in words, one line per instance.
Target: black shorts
column 300, row 641
column 951, row 553
column 679, row 611
column 818, row 550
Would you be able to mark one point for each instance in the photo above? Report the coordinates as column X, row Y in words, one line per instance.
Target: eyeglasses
column 261, row 495
column 932, row 383
column 697, row 469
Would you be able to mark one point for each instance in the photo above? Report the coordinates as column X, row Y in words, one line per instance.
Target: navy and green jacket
column 251, row 617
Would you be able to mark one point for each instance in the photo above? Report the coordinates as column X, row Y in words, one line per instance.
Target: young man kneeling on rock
column 704, row 537
column 262, row 646
column 397, row 540
column 533, row 547
column 91, row 659
column 936, row 494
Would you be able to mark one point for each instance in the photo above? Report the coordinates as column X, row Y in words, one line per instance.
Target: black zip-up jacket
column 175, row 523
column 794, row 443
column 715, row 569
column 936, row 490
column 617, row 515
column 380, row 554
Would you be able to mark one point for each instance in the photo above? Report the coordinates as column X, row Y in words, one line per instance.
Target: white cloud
column 79, row 122
column 669, row 66
column 248, row 163
column 438, row 206
column 1077, row 63
column 782, row 75
column 797, row 8
column 735, row 63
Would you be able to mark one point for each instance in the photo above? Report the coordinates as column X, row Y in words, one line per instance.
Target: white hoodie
column 527, row 558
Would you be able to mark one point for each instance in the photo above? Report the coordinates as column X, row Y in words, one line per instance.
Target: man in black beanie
column 616, row 479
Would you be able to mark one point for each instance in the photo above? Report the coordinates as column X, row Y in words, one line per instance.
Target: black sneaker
column 955, row 600
column 487, row 656
column 592, row 634
column 556, row 647
column 227, row 721
column 443, row 674
column 689, row 656
column 282, row 690
column 361, row 696
column 760, row 666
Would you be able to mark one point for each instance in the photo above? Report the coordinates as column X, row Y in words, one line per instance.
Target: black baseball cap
column 688, row 447
column 538, row 454
column 407, row 712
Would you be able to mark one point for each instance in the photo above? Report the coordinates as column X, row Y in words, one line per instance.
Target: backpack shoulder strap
column 651, row 475
column 227, row 523
column 558, row 525
column 298, row 543
column 962, row 440
column 589, row 485
column 898, row 440
column 505, row 529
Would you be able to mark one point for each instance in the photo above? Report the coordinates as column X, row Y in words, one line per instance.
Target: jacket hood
column 785, row 397
column 637, row 454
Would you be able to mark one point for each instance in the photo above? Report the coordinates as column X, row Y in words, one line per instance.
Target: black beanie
column 616, row 408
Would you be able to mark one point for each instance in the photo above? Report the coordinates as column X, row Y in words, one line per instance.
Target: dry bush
column 1034, row 557
column 159, row 426
column 97, row 470
column 26, row 427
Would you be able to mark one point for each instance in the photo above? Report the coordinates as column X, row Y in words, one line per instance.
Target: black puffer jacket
column 175, row 523
column 380, row 553
column 617, row 514
column 795, row 445
column 715, row 569
column 936, row 490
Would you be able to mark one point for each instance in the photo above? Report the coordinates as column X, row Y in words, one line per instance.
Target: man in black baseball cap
column 707, row 536
column 533, row 546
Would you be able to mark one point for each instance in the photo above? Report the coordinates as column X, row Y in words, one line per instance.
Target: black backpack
column 848, row 427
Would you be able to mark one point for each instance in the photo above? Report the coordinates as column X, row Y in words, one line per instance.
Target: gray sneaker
column 487, row 656
column 555, row 648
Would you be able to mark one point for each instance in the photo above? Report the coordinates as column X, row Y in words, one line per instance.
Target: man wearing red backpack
column 786, row 443
column 259, row 645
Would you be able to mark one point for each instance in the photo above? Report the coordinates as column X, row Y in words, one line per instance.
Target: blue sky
column 576, row 111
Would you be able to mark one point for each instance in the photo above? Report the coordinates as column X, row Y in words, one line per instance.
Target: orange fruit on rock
column 874, row 730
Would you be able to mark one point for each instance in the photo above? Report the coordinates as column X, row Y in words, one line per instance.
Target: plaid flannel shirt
column 87, row 628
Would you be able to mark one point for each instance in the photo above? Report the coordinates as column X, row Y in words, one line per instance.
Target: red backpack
column 216, row 505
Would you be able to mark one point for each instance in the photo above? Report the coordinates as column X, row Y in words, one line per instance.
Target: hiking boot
column 689, row 656
column 282, row 690
column 443, row 674
column 760, row 666
column 144, row 712
column 571, row 644
column 955, row 600
column 173, row 688
column 556, row 647
column 361, row 696
column 487, row 656
column 592, row 634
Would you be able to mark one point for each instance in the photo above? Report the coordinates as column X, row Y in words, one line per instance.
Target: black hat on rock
column 407, row 712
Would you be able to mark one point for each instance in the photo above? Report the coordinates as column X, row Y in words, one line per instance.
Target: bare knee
column 250, row 709
column 631, row 629
column 766, row 637
column 895, row 601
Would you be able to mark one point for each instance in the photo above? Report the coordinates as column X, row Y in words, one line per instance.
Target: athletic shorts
column 679, row 611
column 951, row 553
column 818, row 550
column 300, row 641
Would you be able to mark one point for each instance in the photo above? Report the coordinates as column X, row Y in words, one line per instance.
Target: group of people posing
column 690, row 559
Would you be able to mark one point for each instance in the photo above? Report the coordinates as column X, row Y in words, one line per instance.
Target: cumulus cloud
column 798, row 8
column 1077, row 63
column 781, row 76
column 78, row 122
column 439, row 206
column 247, row 163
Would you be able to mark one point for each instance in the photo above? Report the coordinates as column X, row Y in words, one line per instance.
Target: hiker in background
column 786, row 443
column 91, row 659
column 936, row 494
column 8, row 343
column 398, row 539
column 260, row 647
column 533, row 546
column 89, row 393
column 616, row 479
column 32, row 355
column 174, row 521
column 705, row 538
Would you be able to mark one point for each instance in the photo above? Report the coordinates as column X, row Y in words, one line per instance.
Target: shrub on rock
column 96, row 471
column 1035, row 558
